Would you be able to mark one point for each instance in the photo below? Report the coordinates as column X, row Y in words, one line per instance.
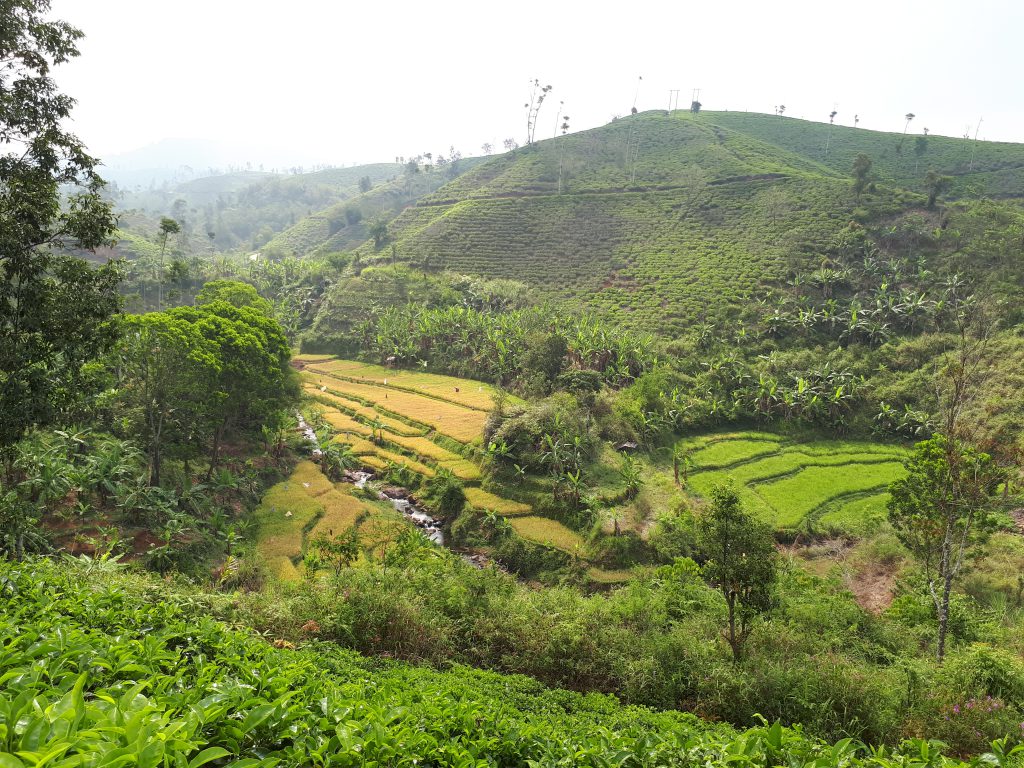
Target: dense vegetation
column 715, row 413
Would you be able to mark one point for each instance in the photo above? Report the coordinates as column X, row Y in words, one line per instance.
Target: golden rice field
column 459, row 422
column 480, row 499
column 473, row 394
column 544, row 530
column 369, row 414
column 409, row 409
column 305, row 505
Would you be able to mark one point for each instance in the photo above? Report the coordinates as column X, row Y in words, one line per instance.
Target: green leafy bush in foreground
column 95, row 672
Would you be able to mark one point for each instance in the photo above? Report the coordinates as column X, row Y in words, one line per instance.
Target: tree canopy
column 53, row 307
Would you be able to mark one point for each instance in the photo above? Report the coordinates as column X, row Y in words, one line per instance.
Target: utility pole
column 673, row 96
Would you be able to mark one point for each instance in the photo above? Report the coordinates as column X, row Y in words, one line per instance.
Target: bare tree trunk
column 733, row 643
column 215, row 453
column 947, row 584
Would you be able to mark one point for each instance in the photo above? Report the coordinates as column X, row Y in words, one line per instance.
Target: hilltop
column 978, row 168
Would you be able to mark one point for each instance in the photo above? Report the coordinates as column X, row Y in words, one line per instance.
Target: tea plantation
column 651, row 220
column 105, row 669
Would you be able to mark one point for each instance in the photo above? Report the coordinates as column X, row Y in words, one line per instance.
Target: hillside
column 978, row 168
column 245, row 210
column 658, row 219
column 652, row 220
column 345, row 224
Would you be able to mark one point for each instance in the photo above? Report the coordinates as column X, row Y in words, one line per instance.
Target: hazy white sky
column 344, row 81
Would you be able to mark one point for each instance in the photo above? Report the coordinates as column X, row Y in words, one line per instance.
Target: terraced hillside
column 825, row 486
column 303, row 506
column 658, row 219
column 652, row 220
column 425, row 422
column 990, row 168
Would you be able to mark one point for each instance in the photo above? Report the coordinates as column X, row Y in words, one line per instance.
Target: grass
column 608, row 576
column 830, row 486
column 548, row 532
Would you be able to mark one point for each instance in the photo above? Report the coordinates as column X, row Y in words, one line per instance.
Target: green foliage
column 235, row 293
column 820, row 486
column 938, row 511
column 445, row 493
column 54, row 309
column 194, row 692
column 740, row 562
column 203, row 373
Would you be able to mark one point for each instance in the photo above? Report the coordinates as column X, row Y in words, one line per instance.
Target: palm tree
column 908, row 117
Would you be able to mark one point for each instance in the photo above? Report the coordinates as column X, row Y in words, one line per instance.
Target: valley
column 692, row 436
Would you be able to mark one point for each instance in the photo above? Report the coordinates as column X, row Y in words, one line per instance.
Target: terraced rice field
column 300, row 507
column 457, row 421
column 307, row 504
column 543, row 530
column 828, row 486
column 421, row 420
column 472, row 394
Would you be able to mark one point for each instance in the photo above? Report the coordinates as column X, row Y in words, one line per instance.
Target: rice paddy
column 833, row 486
column 548, row 532
column 423, row 421
column 306, row 505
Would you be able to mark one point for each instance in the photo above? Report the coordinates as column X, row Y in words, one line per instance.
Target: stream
column 397, row 496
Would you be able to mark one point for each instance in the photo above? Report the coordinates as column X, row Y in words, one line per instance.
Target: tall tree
column 935, row 184
column 254, row 379
column 53, row 308
column 938, row 511
column 167, row 227
column 740, row 561
column 167, row 371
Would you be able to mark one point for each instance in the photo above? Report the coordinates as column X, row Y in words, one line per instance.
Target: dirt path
column 873, row 591
column 872, row 587
column 1018, row 519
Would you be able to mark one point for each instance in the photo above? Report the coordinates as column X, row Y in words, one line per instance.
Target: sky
column 341, row 82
